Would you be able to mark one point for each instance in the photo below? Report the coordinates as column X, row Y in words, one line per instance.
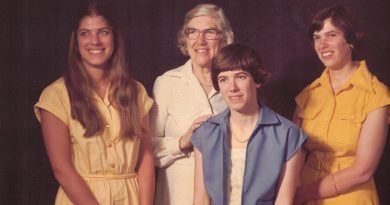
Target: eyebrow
column 327, row 32
column 103, row 28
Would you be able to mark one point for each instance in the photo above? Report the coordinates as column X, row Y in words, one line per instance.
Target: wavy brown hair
column 123, row 94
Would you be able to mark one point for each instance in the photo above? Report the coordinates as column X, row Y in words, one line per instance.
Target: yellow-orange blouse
column 333, row 122
column 105, row 161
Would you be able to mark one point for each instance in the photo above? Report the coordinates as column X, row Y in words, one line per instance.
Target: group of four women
column 212, row 139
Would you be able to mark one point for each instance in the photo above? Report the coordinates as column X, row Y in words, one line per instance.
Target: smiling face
column 202, row 50
column 331, row 46
column 239, row 90
column 95, row 42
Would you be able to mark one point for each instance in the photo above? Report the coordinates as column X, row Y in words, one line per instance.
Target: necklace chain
column 237, row 139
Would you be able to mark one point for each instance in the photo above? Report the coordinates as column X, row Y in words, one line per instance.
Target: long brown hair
column 124, row 90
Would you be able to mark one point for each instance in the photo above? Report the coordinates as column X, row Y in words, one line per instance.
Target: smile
column 95, row 51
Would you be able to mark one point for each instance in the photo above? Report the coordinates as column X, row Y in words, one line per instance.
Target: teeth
column 95, row 51
column 326, row 54
column 201, row 50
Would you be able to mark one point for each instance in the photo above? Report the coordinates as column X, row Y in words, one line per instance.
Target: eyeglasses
column 209, row 34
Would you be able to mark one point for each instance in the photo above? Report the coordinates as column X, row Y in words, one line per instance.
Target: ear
column 258, row 85
column 351, row 45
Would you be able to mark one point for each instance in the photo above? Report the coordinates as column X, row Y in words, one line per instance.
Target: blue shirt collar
column 267, row 116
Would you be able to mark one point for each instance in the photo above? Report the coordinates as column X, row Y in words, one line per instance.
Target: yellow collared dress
column 333, row 123
column 106, row 162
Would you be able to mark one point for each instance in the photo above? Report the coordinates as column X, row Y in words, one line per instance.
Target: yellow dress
column 106, row 161
column 333, row 123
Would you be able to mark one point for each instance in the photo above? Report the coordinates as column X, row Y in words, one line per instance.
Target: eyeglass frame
column 217, row 32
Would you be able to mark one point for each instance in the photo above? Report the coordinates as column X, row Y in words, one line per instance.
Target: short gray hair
column 214, row 12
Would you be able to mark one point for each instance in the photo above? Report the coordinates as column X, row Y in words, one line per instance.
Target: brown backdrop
column 35, row 34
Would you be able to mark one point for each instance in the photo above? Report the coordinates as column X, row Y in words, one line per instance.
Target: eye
column 315, row 37
column 83, row 33
column 105, row 32
column 211, row 31
column 241, row 76
column 332, row 35
column 191, row 31
column 222, row 80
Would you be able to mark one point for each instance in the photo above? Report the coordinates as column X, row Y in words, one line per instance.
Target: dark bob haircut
column 238, row 57
column 341, row 19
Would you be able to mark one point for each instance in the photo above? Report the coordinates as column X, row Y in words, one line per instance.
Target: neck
column 339, row 76
column 243, row 119
column 98, row 79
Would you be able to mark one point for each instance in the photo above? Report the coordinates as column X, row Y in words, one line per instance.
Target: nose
column 95, row 39
column 201, row 38
column 322, row 43
column 233, row 86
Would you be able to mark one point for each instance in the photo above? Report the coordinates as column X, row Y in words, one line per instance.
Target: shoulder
column 286, row 123
column 178, row 72
column 57, row 87
column 379, row 87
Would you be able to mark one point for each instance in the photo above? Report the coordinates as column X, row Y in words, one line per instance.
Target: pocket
column 348, row 128
column 309, row 113
column 310, row 120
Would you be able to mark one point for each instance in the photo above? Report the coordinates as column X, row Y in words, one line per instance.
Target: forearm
column 166, row 150
column 333, row 184
column 74, row 186
column 146, row 180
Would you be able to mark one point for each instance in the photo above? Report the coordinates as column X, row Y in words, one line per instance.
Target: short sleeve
column 54, row 99
column 301, row 99
column 196, row 138
column 380, row 97
column 295, row 139
column 145, row 101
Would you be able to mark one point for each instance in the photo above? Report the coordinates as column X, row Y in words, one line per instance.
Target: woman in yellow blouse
column 345, row 113
column 95, row 120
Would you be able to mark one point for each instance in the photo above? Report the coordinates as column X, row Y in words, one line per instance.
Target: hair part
column 340, row 18
column 123, row 93
column 238, row 57
column 212, row 11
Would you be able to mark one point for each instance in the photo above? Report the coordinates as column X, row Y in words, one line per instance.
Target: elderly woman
column 184, row 98
column 345, row 113
column 247, row 154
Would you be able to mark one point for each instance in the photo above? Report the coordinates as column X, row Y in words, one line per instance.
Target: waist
column 97, row 177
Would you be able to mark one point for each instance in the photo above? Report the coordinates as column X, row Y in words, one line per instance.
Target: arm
column 57, row 143
column 145, row 168
column 200, row 194
column 370, row 148
column 167, row 149
column 288, row 180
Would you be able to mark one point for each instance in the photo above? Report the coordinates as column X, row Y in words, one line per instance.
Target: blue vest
column 273, row 141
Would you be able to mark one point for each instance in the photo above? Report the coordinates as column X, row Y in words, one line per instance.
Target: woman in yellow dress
column 345, row 113
column 95, row 120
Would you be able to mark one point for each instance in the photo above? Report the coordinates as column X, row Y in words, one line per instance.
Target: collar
column 267, row 116
column 361, row 78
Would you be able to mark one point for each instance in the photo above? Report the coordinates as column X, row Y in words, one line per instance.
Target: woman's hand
column 185, row 140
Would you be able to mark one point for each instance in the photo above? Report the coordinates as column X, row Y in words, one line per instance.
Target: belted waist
column 330, row 165
column 96, row 177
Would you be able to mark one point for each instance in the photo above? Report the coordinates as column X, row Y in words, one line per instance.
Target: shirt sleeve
column 55, row 100
column 380, row 97
column 196, row 138
column 295, row 139
column 166, row 149
column 144, row 100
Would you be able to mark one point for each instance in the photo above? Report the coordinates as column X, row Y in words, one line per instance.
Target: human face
column 239, row 90
column 202, row 50
column 95, row 42
column 331, row 46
